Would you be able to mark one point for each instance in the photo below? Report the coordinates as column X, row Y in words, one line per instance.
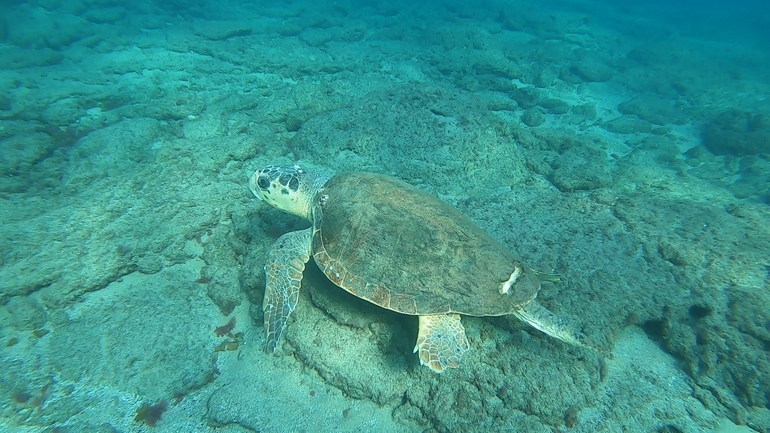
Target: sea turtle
column 400, row 248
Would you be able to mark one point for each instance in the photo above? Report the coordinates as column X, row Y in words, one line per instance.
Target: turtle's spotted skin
column 400, row 248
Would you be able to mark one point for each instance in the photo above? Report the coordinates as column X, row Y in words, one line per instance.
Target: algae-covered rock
column 653, row 109
column 627, row 124
column 737, row 133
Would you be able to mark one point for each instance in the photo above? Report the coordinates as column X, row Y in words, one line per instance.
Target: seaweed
column 225, row 329
column 150, row 414
column 230, row 345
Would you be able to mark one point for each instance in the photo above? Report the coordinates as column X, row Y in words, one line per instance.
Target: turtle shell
column 401, row 248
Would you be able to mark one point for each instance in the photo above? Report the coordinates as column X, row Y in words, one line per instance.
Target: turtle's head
column 289, row 188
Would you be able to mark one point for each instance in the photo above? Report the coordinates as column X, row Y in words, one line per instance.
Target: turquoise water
column 624, row 147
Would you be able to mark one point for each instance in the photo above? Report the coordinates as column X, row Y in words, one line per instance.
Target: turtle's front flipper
column 284, row 267
column 441, row 341
column 540, row 318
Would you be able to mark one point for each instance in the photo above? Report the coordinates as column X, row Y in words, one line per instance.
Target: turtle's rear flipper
column 283, row 271
column 540, row 318
column 546, row 277
column 441, row 341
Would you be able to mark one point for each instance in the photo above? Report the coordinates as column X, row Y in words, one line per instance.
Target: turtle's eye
column 263, row 182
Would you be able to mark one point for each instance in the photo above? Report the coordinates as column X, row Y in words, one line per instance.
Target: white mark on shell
column 512, row 279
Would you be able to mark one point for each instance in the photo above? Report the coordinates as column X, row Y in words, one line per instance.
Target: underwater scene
column 384, row 216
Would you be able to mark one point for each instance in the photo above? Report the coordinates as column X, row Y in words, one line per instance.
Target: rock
column 222, row 30
column 663, row 149
column 754, row 178
column 526, row 97
column 134, row 325
column 582, row 113
column 581, row 168
column 6, row 102
column 316, row 37
column 353, row 31
column 424, row 140
column 554, row 105
column 545, row 78
column 591, row 69
column 738, row 133
column 63, row 112
column 3, row 29
column 696, row 156
column 12, row 57
column 289, row 28
column 26, row 313
column 627, row 125
column 105, row 15
column 23, row 150
column 533, row 117
column 652, row 108
column 49, row 30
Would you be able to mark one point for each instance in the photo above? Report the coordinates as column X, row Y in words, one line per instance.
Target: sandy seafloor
column 623, row 147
